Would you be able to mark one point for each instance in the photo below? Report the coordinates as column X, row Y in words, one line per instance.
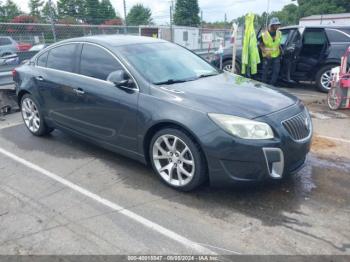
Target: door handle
column 79, row 91
column 39, row 78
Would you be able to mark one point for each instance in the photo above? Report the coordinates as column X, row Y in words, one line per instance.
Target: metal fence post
column 52, row 22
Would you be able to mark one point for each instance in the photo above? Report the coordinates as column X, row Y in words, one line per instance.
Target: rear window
column 316, row 37
column 5, row 41
column 42, row 59
column 62, row 58
column 336, row 35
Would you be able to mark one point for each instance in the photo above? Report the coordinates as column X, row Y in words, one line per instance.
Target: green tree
column 106, row 10
column 259, row 21
column 139, row 15
column 35, row 7
column 92, row 12
column 289, row 15
column 8, row 11
column 316, row 7
column 46, row 13
column 71, row 8
column 186, row 13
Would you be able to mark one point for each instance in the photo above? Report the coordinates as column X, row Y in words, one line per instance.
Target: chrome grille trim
column 299, row 127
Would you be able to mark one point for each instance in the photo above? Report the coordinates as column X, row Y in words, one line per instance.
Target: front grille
column 298, row 126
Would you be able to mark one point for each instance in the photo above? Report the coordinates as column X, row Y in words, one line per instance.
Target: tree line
column 186, row 12
column 73, row 12
column 291, row 14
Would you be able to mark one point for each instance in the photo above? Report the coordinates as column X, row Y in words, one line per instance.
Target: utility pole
column 201, row 32
column 125, row 23
column 225, row 23
column 171, row 24
column 171, row 21
column 52, row 21
column 267, row 14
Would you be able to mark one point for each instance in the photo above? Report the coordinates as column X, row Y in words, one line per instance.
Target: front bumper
column 232, row 160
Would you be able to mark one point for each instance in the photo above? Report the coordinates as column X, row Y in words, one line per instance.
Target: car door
column 311, row 47
column 291, row 45
column 55, row 78
column 103, row 111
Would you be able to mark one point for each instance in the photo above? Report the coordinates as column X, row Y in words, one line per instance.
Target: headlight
column 243, row 128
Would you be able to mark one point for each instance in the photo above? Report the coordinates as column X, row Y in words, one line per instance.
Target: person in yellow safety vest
column 270, row 45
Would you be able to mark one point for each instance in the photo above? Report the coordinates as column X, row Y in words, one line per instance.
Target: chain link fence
column 21, row 41
column 190, row 37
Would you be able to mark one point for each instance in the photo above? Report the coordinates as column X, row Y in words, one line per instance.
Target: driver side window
column 97, row 63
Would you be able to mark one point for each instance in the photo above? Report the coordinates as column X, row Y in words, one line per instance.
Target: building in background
column 193, row 38
column 331, row 19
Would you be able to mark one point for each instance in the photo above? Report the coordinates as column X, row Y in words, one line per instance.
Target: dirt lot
column 59, row 195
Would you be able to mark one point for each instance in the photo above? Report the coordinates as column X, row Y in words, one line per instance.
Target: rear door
column 311, row 48
column 55, row 78
column 339, row 39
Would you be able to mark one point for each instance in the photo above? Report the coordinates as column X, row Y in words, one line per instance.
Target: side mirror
column 120, row 78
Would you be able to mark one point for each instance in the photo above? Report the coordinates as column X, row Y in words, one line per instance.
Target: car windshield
column 166, row 63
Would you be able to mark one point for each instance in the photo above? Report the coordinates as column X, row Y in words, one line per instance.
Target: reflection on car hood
column 229, row 94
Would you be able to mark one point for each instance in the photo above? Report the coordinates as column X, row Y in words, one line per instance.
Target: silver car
column 8, row 46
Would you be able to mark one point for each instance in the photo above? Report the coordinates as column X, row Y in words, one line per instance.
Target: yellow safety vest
column 272, row 48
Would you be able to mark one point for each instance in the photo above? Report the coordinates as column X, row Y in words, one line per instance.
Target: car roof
column 316, row 26
column 115, row 40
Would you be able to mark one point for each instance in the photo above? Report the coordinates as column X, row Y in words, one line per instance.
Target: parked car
column 8, row 46
column 38, row 47
column 11, row 59
column 23, row 47
column 309, row 53
column 159, row 103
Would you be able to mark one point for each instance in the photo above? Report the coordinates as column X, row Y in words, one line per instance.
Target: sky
column 213, row 10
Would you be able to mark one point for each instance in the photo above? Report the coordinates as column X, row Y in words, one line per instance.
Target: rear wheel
column 227, row 66
column 177, row 160
column 32, row 116
column 324, row 78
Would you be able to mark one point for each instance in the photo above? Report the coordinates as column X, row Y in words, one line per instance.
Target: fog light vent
column 274, row 161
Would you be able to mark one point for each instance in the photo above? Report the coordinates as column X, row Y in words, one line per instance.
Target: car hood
column 228, row 94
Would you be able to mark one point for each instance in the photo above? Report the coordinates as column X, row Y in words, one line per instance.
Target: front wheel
column 177, row 160
column 32, row 116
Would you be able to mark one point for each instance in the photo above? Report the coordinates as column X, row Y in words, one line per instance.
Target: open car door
column 291, row 46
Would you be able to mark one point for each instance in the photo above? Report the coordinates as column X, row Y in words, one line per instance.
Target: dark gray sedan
column 158, row 103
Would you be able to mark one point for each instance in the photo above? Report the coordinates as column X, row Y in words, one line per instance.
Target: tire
column 334, row 98
column 227, row 65
column 32, row 116
column 188, row 171
column 323, row 76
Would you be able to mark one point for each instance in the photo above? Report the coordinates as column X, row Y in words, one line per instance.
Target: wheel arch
column 238, row 62
column 21, row 93
column 169, row 124
column 326, row 63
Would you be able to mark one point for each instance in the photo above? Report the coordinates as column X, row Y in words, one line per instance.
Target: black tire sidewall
column 43, row 129
column 319, row 76
column 199, row 160
column 229, row 62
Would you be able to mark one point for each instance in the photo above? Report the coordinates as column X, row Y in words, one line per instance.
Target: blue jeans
column 269, row 64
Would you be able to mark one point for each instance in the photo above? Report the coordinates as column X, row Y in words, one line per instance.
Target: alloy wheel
column 326, row 80
column 173, row 160
column 30, row 115
column 228, row 68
